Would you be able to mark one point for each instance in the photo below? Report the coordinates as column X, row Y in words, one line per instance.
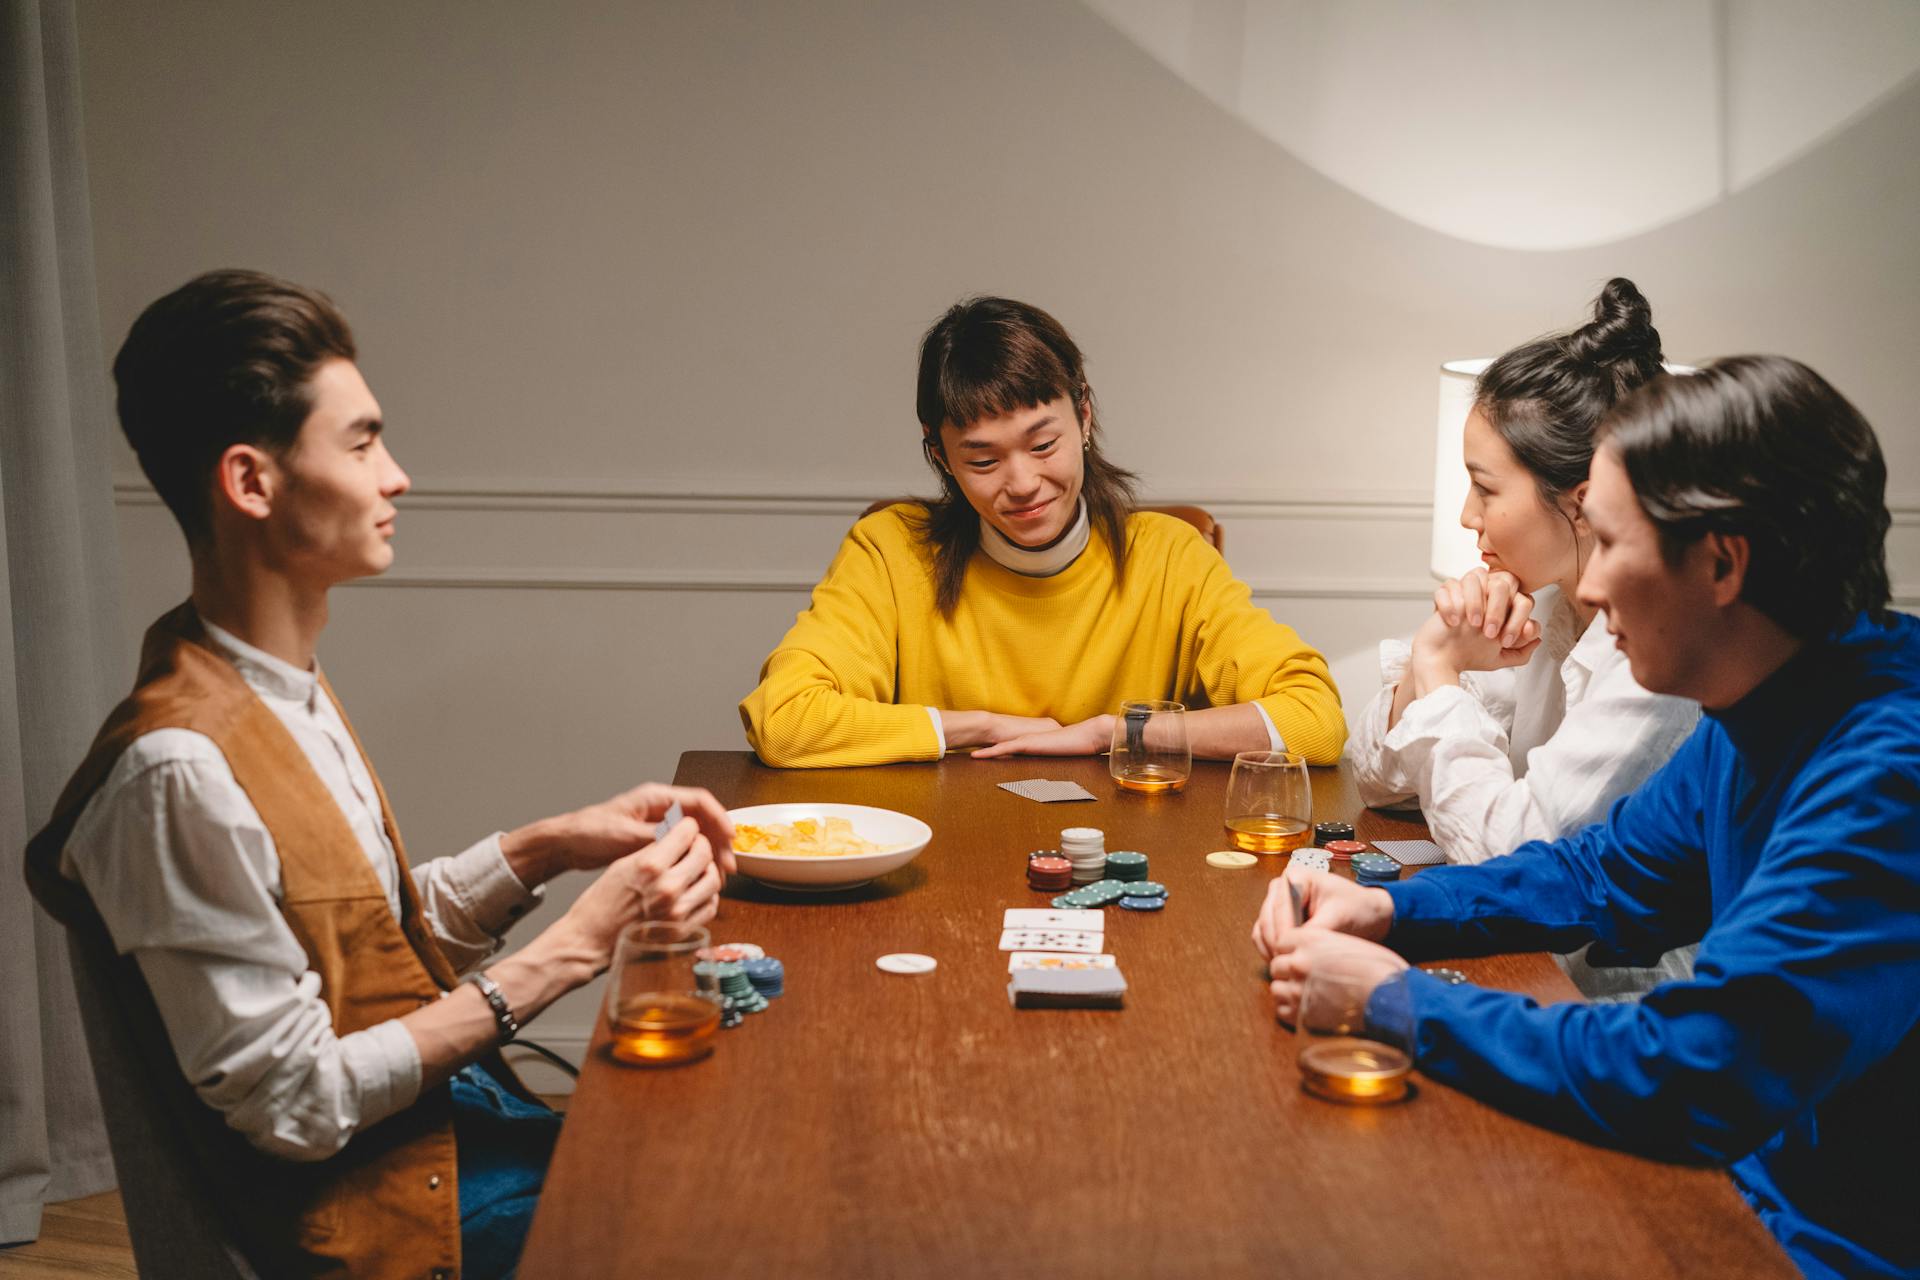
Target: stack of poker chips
column 1126, row 866
column 1342, row 850
column 768, row 976
column 1086, row 849
column 1048, row 872
column 1323, row 832
column 1134, row 895
column 737, row 994
column 1375, row 868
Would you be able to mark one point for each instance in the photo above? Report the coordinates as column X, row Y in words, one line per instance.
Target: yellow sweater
column 851, row 682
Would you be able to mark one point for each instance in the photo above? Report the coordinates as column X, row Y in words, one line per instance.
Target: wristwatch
column 502, row 1011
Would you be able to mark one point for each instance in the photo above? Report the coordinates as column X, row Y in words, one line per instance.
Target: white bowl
column 904, row 837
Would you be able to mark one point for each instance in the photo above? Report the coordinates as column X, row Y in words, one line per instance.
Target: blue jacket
column 1785, row 835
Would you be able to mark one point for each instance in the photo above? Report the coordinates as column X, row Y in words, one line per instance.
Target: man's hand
column 1304, row 950
column 674, row 878
column 1086, row 738
column 1328, row 903
column 599, row 834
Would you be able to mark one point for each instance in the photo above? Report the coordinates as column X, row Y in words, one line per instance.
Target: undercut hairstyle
column 1762, row 447
column 985, row 358
column 228, row 358
column 1545, row 398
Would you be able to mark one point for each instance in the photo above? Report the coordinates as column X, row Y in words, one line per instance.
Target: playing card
column 1043, row 918
column 1412, row 853
column 1050, row 940
column 1042, row 960
column 671, row 820
column 1048, row 792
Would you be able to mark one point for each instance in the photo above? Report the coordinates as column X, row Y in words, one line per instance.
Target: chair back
column 178, row 1226
column 1199, row 517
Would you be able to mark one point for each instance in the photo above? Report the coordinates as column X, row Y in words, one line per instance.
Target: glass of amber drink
column 1150, row 752
column 663, row 1007
column 1269, row 802
column 1343, row 1057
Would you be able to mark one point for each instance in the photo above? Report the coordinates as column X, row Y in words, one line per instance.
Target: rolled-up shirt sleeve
column 471, row 899
column 185, row 876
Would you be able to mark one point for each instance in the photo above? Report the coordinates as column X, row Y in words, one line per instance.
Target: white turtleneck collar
column 1037, row 562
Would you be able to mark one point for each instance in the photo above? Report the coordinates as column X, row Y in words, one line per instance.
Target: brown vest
column 388, row 1203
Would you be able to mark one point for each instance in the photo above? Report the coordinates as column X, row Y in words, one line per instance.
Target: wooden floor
column 89, row 1237
column 78, row 1238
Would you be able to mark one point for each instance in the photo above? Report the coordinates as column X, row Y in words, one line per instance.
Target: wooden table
column 875, row 1125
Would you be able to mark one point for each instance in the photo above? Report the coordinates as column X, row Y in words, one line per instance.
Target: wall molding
column 702, row 498
column 698, row 497
column 748, row 581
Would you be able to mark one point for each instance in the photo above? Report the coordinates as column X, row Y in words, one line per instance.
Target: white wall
column 640, row 289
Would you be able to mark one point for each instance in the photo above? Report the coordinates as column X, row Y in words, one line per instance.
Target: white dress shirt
column 1526, row 753
column 185, row 874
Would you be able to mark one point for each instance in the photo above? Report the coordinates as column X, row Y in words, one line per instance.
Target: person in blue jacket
column 1741, row 521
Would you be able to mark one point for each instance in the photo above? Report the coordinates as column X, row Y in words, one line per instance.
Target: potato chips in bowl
column 824, row 846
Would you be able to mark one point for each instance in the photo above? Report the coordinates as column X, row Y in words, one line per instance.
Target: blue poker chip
column 1132, row 903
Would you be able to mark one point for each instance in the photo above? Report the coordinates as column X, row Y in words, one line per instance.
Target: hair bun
column 1621, row 334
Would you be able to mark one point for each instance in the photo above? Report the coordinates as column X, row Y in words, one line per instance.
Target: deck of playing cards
column 1412, row 853
column 1067, row 989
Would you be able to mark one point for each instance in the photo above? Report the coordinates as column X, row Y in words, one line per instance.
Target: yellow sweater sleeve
column 1243, row 655
column 826, row 694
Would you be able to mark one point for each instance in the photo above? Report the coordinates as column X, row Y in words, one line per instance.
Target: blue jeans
column 504, row 1144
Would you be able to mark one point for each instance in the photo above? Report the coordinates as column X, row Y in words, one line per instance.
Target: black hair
column 226, row 359
column 1764, row 448
column 984, row 358
column 1544, row 398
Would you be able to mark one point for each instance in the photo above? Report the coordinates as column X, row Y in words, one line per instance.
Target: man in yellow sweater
column 1017, row 611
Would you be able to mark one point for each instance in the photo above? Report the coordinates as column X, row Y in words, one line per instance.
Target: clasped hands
column 1340, row 921
column 1481, row 621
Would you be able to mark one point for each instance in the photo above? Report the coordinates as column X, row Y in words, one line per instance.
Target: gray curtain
column 64, row 660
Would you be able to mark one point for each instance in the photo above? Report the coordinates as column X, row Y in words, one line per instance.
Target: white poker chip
column 906, row 962
column 1312, row 859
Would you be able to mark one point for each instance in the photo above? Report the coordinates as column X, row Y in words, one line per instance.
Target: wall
column 640, row 286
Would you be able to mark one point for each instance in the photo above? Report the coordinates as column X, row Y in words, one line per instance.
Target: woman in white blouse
column 1513, row 717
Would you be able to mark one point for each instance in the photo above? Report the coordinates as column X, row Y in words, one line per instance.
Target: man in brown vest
column 336, row 1070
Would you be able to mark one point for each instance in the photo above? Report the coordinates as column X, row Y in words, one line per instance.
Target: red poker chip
column 1344, row 848
column 1050, row 866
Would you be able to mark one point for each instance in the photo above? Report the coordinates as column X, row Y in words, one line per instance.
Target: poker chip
column 1325, row 832
column 1230, row 859
column 1312, row 859
column 1374, row 862
column 1452, row 977
column 1048, row 872
column 1344, row 849
column 736, row 989
column 906, row 962
column 1106, row 892
column 768, row 976
column 1134, row 903
column 735, row 951
column 1147, row 889
column 1086, row 849
column 1126, row 865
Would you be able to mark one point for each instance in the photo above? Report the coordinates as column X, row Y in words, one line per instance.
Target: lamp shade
column 1454, row 548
